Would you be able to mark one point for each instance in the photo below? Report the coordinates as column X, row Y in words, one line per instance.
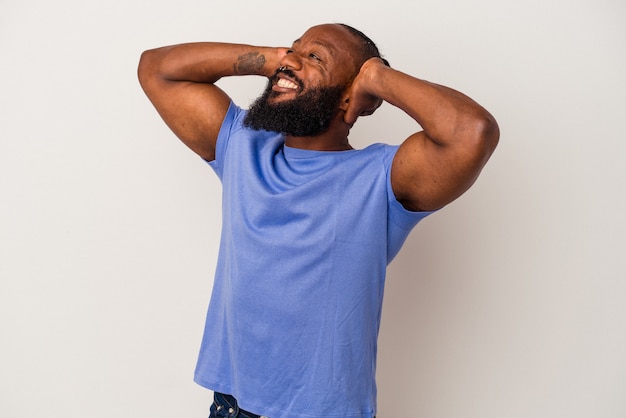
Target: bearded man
column 309, row 223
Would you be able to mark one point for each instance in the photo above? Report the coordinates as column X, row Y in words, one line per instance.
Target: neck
column 335, row 138
column 315, row 143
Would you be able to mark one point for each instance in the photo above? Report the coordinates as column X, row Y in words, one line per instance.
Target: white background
column 510, row 302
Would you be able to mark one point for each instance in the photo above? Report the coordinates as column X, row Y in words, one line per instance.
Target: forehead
column 335, row 38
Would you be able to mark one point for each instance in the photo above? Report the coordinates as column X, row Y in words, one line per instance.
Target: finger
column 350, row 116
column 371, row 109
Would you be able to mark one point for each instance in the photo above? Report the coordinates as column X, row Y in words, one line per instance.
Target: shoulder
column 236, row 141
column 381, row 153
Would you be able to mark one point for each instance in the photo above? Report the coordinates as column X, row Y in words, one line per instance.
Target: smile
column 286, row 84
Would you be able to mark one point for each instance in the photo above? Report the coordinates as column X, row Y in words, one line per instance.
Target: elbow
column 152, row 66
column 146, row 66
column 492, row 133
column 487, row 134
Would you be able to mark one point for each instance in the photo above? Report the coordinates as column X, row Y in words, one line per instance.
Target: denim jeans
column 225, row 406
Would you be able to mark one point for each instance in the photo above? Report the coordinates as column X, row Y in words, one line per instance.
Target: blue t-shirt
column 293, row 320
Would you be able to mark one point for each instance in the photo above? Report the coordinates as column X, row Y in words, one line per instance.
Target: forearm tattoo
column 249, row 63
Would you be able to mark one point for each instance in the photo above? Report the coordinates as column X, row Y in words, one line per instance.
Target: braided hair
column 368, row 48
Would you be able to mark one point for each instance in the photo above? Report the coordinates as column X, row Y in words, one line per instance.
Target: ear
column 344, row 102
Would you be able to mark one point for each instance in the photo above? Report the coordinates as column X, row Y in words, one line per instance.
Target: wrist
column 262, row 61
column 371, row 76
column 273, row 58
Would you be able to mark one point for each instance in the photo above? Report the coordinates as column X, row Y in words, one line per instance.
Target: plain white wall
column 510, row 302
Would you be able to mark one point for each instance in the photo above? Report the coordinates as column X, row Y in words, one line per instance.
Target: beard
column 309, row 114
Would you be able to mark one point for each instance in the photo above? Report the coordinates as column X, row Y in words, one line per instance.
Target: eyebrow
column 323, row 44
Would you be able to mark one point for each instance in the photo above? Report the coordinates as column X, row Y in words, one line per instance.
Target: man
column 309, row 224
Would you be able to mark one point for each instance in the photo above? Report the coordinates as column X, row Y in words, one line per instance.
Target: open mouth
column 286, row 81
column 286, row 84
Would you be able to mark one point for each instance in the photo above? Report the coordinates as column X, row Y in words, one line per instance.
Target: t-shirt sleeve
column 400, row 220
column 229, row 125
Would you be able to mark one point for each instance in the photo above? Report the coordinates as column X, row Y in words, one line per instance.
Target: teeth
column 286, row 84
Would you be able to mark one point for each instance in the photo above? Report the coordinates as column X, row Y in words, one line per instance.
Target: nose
column 292, row 60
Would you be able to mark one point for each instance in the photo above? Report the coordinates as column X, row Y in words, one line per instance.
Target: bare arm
column 179, row 81
column 435, row 166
